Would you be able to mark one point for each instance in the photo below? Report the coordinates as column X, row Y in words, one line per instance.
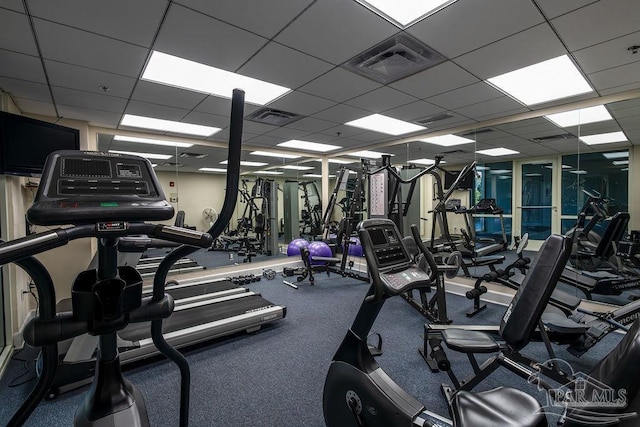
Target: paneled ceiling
column 83, row 59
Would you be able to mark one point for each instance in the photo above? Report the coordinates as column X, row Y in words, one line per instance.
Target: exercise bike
column 357, row 392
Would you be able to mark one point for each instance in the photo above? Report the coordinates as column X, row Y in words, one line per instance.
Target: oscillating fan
column 209, row 216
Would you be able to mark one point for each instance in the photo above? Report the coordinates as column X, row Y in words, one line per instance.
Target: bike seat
column 502, row 406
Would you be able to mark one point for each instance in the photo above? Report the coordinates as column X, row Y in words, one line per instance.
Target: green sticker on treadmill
column 108, row 204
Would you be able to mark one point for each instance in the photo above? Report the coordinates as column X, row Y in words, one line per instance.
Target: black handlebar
column 367, row 247
column 433, row 267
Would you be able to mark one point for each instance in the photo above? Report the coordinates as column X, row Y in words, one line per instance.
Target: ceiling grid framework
column 303, row 45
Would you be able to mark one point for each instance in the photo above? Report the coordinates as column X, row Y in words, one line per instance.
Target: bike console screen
column 89, row 187
column 397, row 270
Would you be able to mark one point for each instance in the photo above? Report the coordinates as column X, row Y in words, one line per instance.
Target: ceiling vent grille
column 454, row 152
column 192, row 155
column 394, row 59
column 434, row 118
column 271, row 116
column 557, row 137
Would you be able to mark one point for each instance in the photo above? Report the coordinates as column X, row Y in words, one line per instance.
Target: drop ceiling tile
column 371, row 136
column 199, row 118
column 342, row 131
column 496, row 108
column 88, row 80
column 336, row 30
column 520, row 50
column 439, row 79
column 96, row 101
column 414, row 111
column 65, row 44
column 221, row 106
column 21, row 66
column 301, row 103
column 597, row 22
column 157, row 111
column 93, row 117
column 288, row 133
column 197, row 37
column 264, row 18
column 468, row 95
column 339, row 85
column 284, row 66
column 468, row 25
column 341, row 114
column 30, row 106
column 131, row 21
column 257, row 128
column 15, row 33
column 623, row 75
column 382, row 99
column 15, row 5
column 166, row 95
column 455, row 121
column 618, row 89
column 624, row 105
column 265, row 140
column 608, row 54
column 311, row 124
column 554, row 8
column 24, row 89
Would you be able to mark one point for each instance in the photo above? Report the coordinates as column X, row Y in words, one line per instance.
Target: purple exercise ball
column 293, row 249
column 355, row 247
column 319, row 249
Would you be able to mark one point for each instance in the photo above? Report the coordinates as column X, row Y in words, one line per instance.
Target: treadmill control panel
column 398, row 272
column 92, row 187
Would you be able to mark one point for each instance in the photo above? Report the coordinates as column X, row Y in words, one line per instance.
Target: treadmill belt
column 208, row 288
column 196, row 316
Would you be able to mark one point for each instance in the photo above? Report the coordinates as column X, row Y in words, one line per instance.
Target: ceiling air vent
column 560, row 136
column 271, row 116
column 394, row 59
column 434, row 118
column 454, row 152
column 173, row 164
column 192, row 155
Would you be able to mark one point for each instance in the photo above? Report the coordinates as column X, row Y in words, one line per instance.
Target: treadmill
column 112, row 193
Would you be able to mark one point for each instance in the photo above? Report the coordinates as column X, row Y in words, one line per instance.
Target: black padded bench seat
column 487, row 260
column 505, row 407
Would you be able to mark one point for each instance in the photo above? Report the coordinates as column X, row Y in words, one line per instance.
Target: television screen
column 25, row 143
column 466, row 184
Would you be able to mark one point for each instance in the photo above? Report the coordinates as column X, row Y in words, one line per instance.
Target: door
column 537, row 207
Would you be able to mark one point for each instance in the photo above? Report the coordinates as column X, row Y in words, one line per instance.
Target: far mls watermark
column 585, row 399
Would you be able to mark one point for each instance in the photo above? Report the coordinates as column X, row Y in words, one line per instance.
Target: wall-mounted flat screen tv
column 25, row 143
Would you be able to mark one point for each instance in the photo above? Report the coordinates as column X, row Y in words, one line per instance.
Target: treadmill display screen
column 128, row 171
column 377, row 237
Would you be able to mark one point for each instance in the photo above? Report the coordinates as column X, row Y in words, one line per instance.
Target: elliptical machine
column 108, row 196
column 357, row 392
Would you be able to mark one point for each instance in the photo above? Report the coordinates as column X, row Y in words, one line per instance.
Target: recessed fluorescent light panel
column 497, row 152
column 151, row 156
column 268, row 173
column 274, row 154
column 297, row 168
column 338, row 161
column 581, row 116
column 620, row 162
column 152, row 141
column 500, row 171
column 315, row 175
column 422, row 161
column 308, row 146
column 219, row 170
column 448, row 140
column 384, row 124
column 368, row 154
column 579, row 172
column 167, row 125
column 542, row 82
column 174, row 71
column 604, row 138
column 246, row 163
column 403, row 14
column 616, row 155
